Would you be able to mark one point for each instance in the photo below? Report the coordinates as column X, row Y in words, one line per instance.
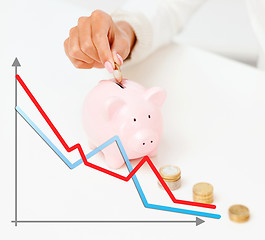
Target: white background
column 214, row 131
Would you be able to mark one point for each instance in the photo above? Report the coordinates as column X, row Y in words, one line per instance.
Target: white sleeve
column 256, row 10
column 155, row 22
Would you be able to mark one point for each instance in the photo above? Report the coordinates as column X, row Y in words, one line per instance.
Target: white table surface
column 214, row 130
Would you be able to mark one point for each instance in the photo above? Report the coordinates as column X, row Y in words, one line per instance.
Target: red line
column 116, row 175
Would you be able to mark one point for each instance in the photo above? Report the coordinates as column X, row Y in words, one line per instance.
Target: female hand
column 99, row 42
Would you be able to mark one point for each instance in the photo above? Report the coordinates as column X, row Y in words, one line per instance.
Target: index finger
column 100, row 32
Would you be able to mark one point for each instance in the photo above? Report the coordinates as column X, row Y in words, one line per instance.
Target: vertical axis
column 15, row 147
column 16, row 64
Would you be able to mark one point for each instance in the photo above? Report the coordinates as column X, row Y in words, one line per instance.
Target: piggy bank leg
column 113, row 156
column 93, row 146
column 153, row 153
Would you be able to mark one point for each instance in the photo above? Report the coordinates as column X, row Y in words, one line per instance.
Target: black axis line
column 16, row 64
column 103, row 221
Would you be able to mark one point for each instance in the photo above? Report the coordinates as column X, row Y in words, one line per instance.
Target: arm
column 136, row 29
column 155, row 22
column 98, row 42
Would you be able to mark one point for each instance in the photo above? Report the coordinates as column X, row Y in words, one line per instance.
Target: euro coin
column 170, row 172
column 171, row 175
column 203, row 189
column 203, row 193
column 238, row 213
column 117, row 75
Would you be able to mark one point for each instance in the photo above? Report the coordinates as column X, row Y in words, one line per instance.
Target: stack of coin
column 171, row 175
column 203, row 193
column 238, row 213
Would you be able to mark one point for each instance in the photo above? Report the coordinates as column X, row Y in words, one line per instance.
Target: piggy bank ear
column 113, row 105
column 156, row 95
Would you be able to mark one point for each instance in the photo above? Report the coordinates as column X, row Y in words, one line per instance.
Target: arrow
column 198, row 221
column 16, row 64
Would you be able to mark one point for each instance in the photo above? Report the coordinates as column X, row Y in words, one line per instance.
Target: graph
column 132, row 171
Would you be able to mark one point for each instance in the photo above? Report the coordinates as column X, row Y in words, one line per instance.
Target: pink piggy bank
column 132, row 112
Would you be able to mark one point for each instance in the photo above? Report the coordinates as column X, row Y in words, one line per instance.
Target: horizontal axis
column 104, row 221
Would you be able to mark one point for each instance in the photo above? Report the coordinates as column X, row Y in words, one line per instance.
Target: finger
column 74, row 48
column 80, row 64
column 117, row 57
column 85, row 42
column 75, row 62
column 120, row 49
column 100, row 31
column 83, row 65
column 98, row 65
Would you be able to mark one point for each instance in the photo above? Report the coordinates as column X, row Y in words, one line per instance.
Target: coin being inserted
column 117, row 73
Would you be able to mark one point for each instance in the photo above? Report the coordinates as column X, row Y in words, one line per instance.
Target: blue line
column 128, row 164
column 130, row 168
column 181, row 210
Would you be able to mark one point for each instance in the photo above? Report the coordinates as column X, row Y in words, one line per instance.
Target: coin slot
column 120, row 85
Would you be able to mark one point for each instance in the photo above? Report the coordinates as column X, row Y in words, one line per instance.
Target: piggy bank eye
column 134, row 119
column 149, row 116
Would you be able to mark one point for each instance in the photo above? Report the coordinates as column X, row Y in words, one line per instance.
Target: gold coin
column 203, row 197
column 210, row 201
column 203, row 189
column 170, row 173
column 238, row 213
column 203, row 200
column 196, row 199
column 117, row 73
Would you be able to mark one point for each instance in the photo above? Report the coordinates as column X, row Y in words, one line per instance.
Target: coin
column 170, row 172
column 117, row 73
column 203, row 193
column 171, row 175
column 172, row 185
column 203, row 189
column 238, row 213
column 207, row 200
column 202, row 197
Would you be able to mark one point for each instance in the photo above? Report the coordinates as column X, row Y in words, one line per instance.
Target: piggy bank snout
column 146, row 141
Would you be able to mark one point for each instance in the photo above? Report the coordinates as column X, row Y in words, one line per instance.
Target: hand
column 98, row 42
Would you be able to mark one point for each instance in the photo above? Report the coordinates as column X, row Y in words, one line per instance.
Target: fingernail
column 108, row 66
column 120, row 58
column 117, row 58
